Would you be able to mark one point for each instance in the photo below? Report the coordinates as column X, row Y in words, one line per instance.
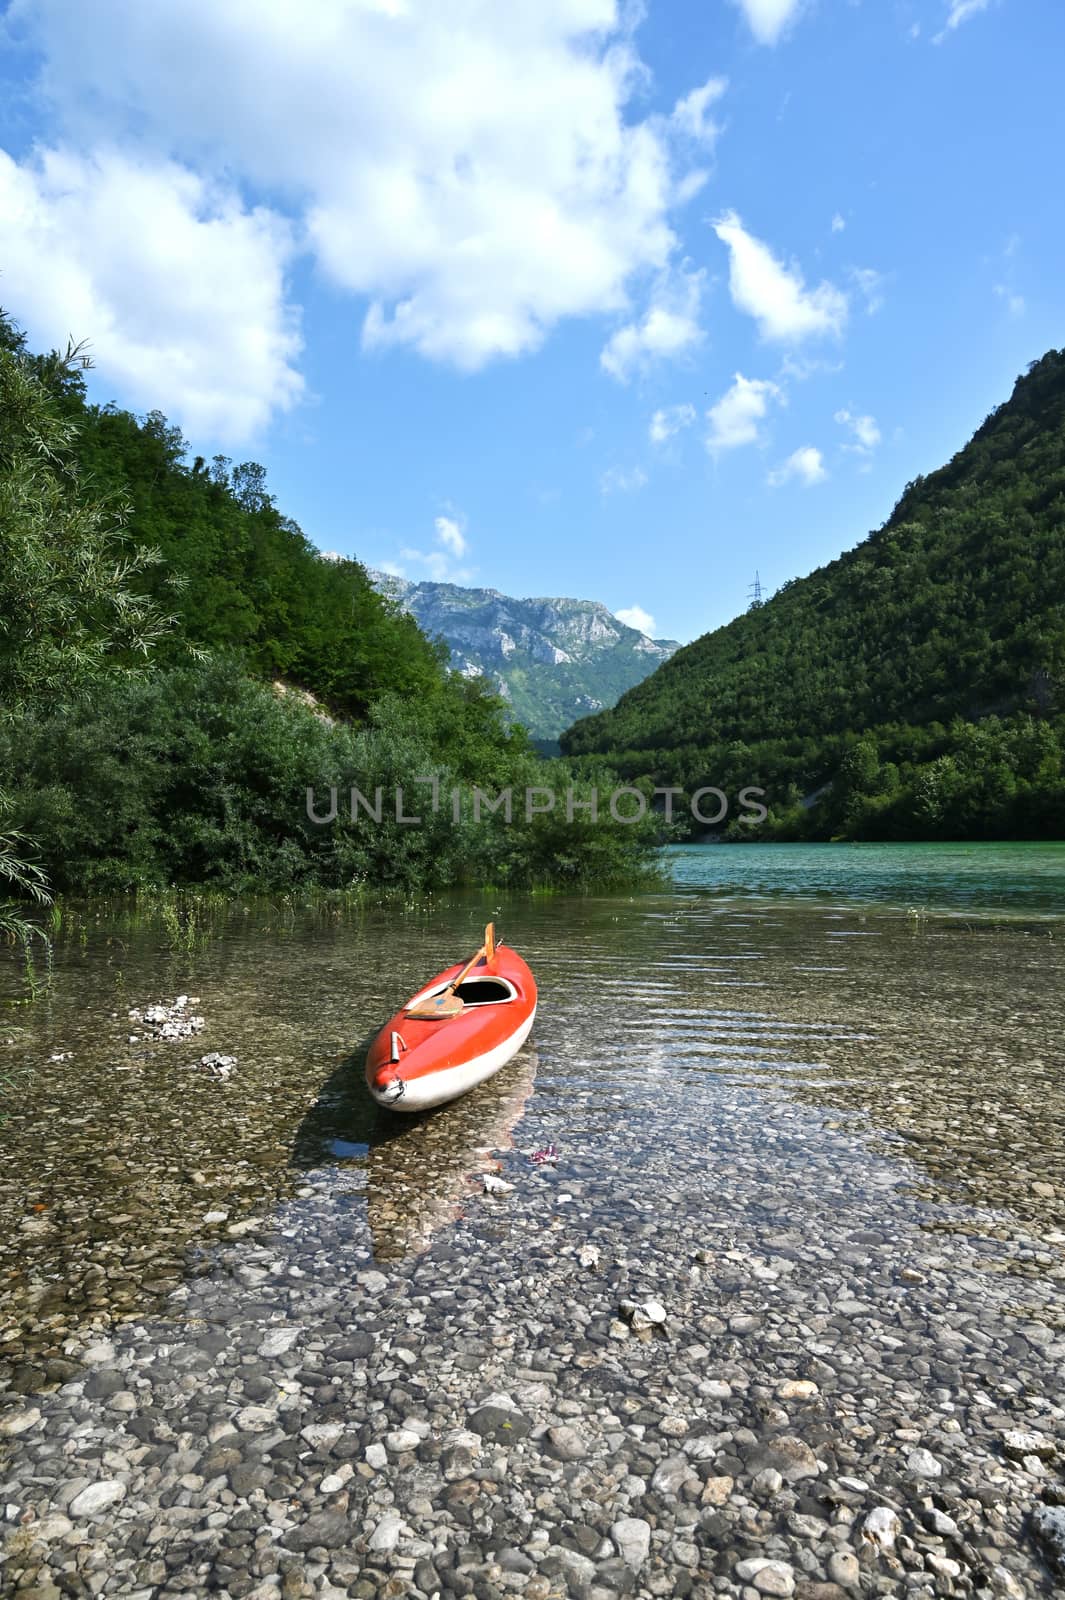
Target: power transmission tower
column 755, row 592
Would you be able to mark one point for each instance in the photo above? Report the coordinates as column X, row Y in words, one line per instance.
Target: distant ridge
column 553, row 659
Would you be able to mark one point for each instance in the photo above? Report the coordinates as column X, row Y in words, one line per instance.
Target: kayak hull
column 415, row 1064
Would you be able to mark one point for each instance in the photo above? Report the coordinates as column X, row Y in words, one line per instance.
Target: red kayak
column 456, row 1032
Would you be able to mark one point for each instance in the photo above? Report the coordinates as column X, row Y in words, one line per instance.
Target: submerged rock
column 168, row 1021
column 216, row 1065
column 1048, row 1528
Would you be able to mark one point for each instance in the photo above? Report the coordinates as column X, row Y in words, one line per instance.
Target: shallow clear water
column 668, row 1023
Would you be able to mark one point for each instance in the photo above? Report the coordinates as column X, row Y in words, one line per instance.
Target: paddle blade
column 490, row 942
column 437, row 1008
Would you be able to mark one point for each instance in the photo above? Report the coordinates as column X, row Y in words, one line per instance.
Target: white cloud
column 176, row 284
column 776, row 295
column 959, row 11
column 636, row 617
column 690, row 114
column 870, row 284
column 767, row 19
column 865, row 430
column 1014, row 302
column 838, row 223
column 332, row 555
column 622, row 480
column 669, row 420
column 735, row 418
column 474, row 172
column 806, row 464
column 437, row 564
column 669, row 327
column 802, row 368
column 451, row 536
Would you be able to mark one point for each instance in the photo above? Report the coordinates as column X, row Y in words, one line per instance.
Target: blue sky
column 578, row 298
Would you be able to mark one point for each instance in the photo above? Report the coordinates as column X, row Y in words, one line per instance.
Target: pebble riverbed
column 259, row 1340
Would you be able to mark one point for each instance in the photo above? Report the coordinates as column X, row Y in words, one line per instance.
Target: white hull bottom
column 437, row 1088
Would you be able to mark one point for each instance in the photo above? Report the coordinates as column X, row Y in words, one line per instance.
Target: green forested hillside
column 241, row 575
column 155, row 614
column 921, row 675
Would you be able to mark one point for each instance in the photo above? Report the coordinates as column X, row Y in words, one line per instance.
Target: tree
column 69, row 608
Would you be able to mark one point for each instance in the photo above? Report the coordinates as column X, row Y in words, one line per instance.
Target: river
column 810, row 1099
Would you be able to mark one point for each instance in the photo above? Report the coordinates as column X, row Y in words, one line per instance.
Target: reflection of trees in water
column 417, row 1168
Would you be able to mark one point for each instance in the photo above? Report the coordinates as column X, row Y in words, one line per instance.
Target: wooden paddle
column 438, row 1007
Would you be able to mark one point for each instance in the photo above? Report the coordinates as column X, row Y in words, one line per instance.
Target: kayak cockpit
column 480, row 991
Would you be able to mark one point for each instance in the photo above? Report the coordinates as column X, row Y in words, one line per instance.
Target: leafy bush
column 199, row 775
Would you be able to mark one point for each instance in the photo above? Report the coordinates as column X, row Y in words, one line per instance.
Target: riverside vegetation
column 911, row 689
column 155, row 619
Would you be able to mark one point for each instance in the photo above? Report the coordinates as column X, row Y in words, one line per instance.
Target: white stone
column 401, row 1439
column 504, row 1402
column 376, row 1456
column 17, row 1422
column 632, row 1535
column 385, row 1536
column 255, row 1419
column 98, row 1354
column 685, row 1553
column 671, row 1475
column 796, row 1389
column 318, row 1433
column 1019, row 1442
column 882, row 1527
column 843, row 1569
column 278, row 1341
column 945, row 1526
column 775, row 1578
column 923, row 1464
column 52, row 1527
column 97, row 1497
column 372, row 1282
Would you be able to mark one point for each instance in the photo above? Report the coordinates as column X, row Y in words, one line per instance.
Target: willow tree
column 70, row 610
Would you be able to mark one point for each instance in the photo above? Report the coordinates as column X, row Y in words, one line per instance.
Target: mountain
column 551, row 659
column 918, row 680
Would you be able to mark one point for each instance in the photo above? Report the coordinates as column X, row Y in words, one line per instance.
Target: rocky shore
column 721, row 1346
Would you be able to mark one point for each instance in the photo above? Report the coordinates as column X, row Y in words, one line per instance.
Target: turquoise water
column 1022, row 879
